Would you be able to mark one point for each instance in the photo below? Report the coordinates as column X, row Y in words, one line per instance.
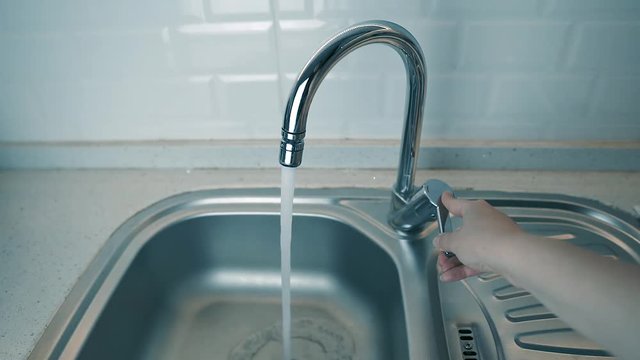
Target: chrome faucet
column 410, row 207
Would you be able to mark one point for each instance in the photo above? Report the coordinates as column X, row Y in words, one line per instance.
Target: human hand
column 485, row 235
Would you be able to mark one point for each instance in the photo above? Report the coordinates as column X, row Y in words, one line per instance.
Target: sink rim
column 80, row 306
column 73, row 321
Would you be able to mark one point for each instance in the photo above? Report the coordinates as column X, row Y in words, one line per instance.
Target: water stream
column 286, row 213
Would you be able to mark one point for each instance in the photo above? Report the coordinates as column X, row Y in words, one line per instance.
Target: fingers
column 455, row 206
column 446, row 242
column 458, row 273
column 451, row 269
column 445, row 263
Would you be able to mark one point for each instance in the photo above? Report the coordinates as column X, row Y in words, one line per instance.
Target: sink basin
column 210, row 285
column 196, row 276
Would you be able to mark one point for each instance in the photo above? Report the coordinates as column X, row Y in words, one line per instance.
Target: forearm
column 598, row 296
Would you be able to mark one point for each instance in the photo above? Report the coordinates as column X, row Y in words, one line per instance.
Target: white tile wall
column 486, row 9
column 78, row 70
column 520, row 46
column 607, row 47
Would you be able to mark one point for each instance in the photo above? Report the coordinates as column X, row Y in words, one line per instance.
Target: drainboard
column 509, row 322
column 196, row 276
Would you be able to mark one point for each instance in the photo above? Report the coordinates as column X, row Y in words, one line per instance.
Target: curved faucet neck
column 305, row 87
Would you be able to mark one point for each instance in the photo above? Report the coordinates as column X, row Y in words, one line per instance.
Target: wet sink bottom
column 209, row 288
column 312, row 339
column 202, row 321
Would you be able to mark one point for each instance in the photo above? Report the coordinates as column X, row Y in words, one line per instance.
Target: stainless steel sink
column 196, row 276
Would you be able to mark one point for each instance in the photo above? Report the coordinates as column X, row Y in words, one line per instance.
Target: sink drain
column 311, row 339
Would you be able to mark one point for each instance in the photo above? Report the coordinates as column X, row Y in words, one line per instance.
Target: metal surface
column 196, row 276
column 423, row 207
column 434, row 189
column 403, row 216
column 371, row 32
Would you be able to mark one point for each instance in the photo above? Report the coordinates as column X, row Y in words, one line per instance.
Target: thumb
column 455, row 206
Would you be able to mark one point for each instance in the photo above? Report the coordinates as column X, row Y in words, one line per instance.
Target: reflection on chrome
column 562, row 237
column 411, row 208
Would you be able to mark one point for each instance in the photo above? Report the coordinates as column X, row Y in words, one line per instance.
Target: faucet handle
column 424, row 206
column 434, row 189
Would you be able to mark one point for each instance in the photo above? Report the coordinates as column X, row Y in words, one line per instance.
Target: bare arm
column 604, row 301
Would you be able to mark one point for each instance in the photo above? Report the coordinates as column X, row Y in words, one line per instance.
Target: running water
column 286, row 213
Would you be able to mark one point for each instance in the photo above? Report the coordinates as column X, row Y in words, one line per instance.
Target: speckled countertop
column 52, row 223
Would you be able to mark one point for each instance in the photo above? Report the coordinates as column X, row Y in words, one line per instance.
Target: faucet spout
column 336, row 48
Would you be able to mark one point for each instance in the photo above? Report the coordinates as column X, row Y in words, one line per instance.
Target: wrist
column 511, row 249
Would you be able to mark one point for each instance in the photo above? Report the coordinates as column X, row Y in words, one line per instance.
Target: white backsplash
column 78, row 70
